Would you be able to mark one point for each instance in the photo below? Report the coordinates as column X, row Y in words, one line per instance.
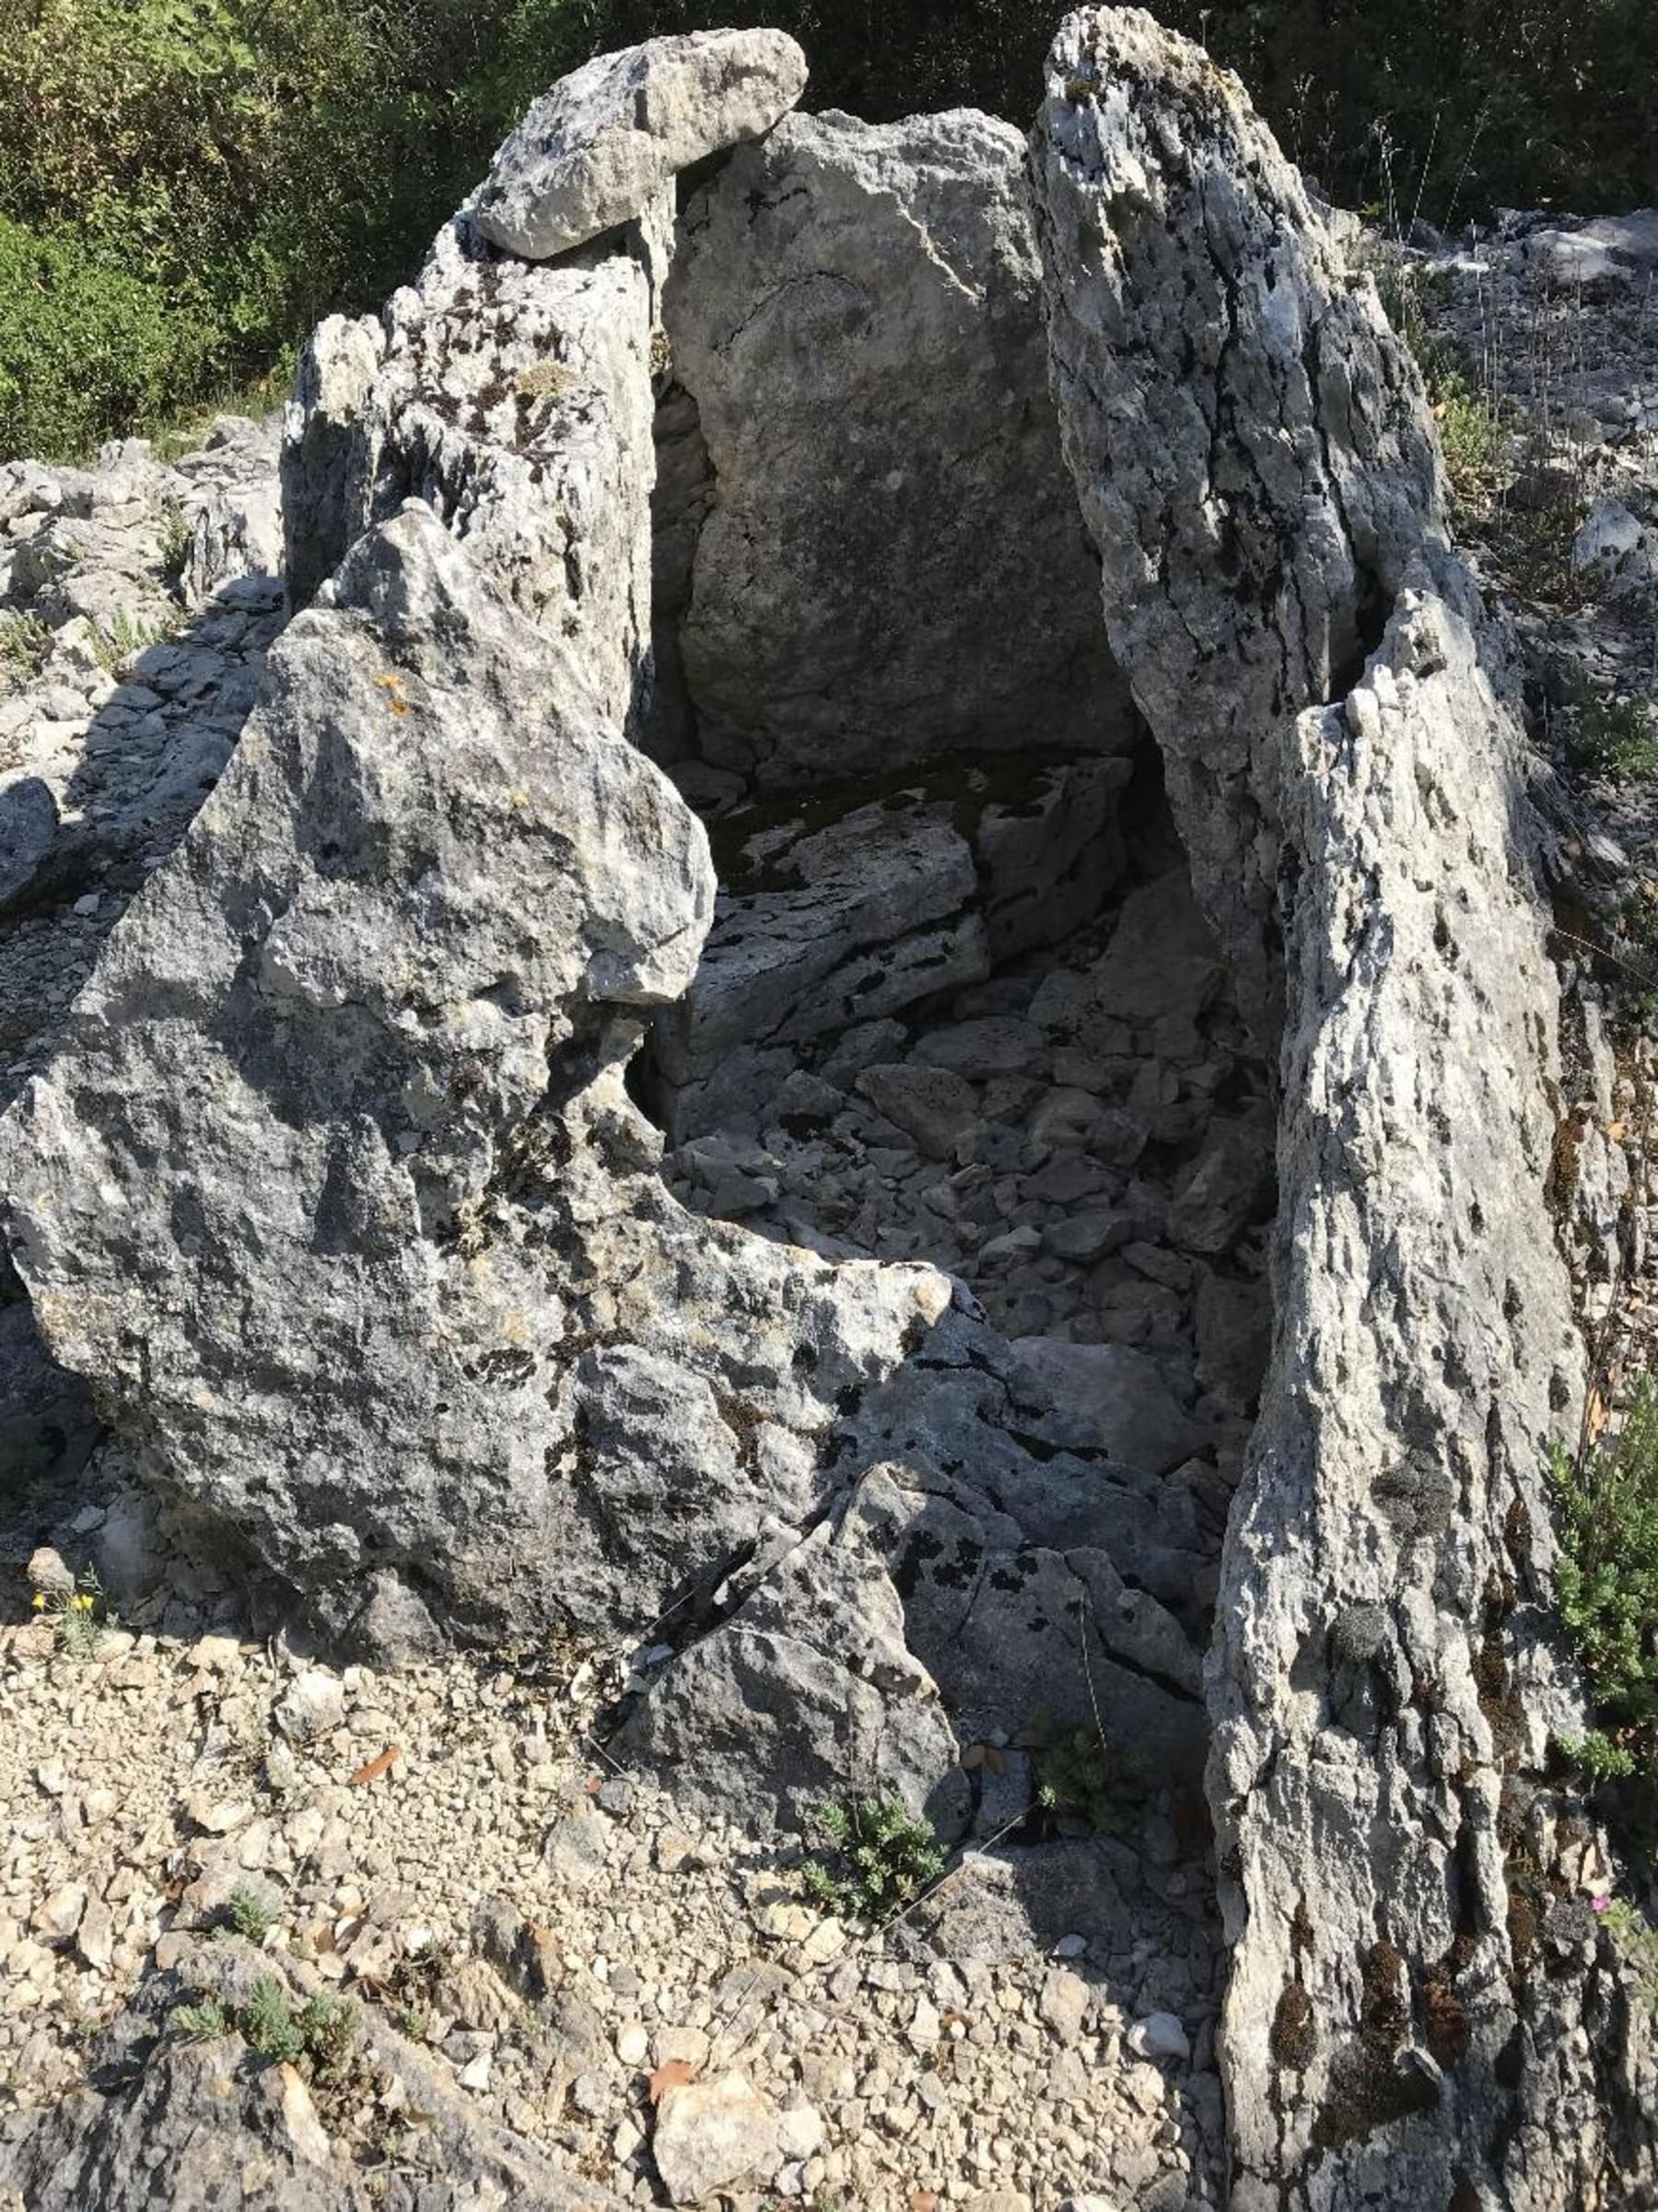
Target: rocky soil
column 1039, row 2041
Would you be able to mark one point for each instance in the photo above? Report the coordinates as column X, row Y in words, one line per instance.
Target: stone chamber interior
column 965, row 1009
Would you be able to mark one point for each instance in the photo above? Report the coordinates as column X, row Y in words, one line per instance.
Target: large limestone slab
column 334, row 1190
column 1251, row 451
column 598, row 148
column 1419, row 2011
column 893, row 566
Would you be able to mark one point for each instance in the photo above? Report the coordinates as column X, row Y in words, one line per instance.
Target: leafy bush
column 1606, row 1498
column 85, row 346
column 880, row 1858
column 1616, row 737
column 187, row 185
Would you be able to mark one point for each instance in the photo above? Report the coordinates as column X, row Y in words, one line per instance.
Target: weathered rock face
column 601, row 145
column 893, row 566
column 515, row 400
column 1251, row 447
column 1418, row 2013
column 1387, row 1686
column 431, row 865
column 337, row 1193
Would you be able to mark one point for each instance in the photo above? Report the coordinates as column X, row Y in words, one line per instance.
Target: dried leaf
column 974, row 1756
column 593, row 1785
column 377, row 1767
column 1595, row 1417
column 673, row 2075
column 994, row 1759
column 1617, row 1131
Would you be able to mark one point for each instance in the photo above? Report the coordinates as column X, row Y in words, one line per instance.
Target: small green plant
column 1606, row 1500
column 117, row 647
column 1471, row 437
column 328, row 2034
column 201, row 2023
column 1078, row 1772
column 880, row 1858
column 1637, row 1938
column 1617, row 738
column 25, row 642
column 175, row 541
column 269, row 2023
column 247, row 1914
column 319, row 2038
column 78, row 1616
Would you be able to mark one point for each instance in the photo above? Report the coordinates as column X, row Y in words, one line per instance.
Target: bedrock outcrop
column 1418, row 2011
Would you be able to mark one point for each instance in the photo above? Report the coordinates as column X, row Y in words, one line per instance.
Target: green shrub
column 880, row 1858
column 1078, row 1772
column 1616, row 737
column 87, row 347
column 1606, row 1500
column 187, row 185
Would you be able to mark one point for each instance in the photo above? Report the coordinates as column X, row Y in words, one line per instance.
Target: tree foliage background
column 187, row 185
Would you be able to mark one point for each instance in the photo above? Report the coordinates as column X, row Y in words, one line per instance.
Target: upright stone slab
column 515, row 400
column 1250, row 443
column 334, row 1192
column 1420, row 2010
column 893, row 566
